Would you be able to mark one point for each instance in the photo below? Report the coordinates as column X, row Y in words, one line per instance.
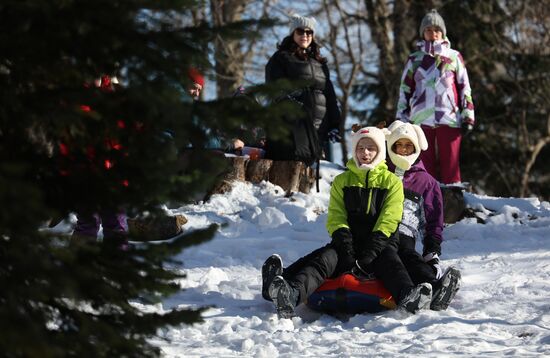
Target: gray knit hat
column 432, row 18
column 297, row 21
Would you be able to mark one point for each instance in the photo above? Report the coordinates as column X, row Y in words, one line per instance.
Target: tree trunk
column 378, row 18
column 228, row 53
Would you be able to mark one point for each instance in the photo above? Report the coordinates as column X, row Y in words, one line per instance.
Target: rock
column 454, row 205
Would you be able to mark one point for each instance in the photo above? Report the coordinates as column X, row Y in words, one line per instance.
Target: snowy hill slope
column 503, row 307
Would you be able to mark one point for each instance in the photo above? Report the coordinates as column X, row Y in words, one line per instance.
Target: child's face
column 433, row 33
column 404, row 147
column 366, row 151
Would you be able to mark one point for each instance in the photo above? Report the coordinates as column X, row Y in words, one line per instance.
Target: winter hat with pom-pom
column 378, row 136
column 302, row 22
column 398, row 130
column 432, row 18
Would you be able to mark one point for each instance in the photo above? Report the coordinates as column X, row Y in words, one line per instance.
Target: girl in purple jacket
column 422, row 214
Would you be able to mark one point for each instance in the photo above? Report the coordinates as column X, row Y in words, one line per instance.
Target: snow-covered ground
column 503, row 307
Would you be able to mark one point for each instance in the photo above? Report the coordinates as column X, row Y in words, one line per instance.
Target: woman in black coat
column 298, row 59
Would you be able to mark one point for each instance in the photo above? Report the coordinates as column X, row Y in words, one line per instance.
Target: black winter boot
column 417, row 298
column 272, row 267
column 445, row 289
column 284, row 296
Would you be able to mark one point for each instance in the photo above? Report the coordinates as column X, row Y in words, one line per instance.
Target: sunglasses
column 301, row 32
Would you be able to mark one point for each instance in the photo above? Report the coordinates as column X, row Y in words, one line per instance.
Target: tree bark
column 292, row 176
column 228, row 53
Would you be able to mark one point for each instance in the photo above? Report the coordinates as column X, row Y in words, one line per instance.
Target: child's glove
column 334, row 136
column 432, row 259
column 342, row 242
column 431, row 245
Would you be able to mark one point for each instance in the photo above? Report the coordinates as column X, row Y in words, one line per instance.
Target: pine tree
column 66, row 145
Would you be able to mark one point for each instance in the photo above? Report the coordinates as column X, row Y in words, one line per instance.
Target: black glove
column 431, row 245
column 466, row 128
column 342, row 241
column 376, row 242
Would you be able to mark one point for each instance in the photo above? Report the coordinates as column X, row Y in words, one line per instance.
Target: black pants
column 310, row 271
column 419, row 270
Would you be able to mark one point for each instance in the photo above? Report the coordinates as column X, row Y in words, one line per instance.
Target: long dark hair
column 288, row 44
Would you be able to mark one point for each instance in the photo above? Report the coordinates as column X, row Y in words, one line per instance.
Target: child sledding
column 366, row 221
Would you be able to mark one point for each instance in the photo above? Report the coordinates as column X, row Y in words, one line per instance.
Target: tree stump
column 156, row 228
column 258, row 170
column 292, row 176
column 236, row 170
column 288, row 175
column 307, row 179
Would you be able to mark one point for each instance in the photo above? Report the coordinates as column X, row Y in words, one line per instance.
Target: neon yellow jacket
column 365, row 202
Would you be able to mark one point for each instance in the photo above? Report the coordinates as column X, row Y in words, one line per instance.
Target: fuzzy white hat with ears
column 378, row 136
column 412, row 132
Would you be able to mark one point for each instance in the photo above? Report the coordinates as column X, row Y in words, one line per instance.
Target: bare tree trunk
column 228, row 53
column 345, row 44
column 378, row 19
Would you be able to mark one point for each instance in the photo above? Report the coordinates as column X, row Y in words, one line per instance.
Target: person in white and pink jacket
column 435, row 93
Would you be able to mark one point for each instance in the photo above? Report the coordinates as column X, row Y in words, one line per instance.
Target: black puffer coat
column 318, row 101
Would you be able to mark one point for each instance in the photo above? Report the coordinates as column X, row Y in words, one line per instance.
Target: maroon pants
column 441, row 159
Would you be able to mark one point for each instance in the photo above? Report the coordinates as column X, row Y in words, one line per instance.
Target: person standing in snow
column 113, row 221
column 435, row 93
column 298, row 58
column 365, row 208
column 422, row 214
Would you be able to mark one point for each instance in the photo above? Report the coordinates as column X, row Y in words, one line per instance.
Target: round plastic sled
column 348, row 294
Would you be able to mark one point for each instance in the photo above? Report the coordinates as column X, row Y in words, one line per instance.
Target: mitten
column 334, row 136
column 432, row 259
column 342, row 241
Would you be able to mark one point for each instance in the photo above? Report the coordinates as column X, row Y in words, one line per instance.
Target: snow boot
column 284, row 297
column 418, row 298
column 272, row 267
column 445, row 289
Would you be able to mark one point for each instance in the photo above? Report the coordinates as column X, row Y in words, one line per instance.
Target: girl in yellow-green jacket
column 366, row 206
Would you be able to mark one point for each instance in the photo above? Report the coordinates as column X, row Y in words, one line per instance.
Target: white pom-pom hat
column 398, row 130
column 378, row 136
